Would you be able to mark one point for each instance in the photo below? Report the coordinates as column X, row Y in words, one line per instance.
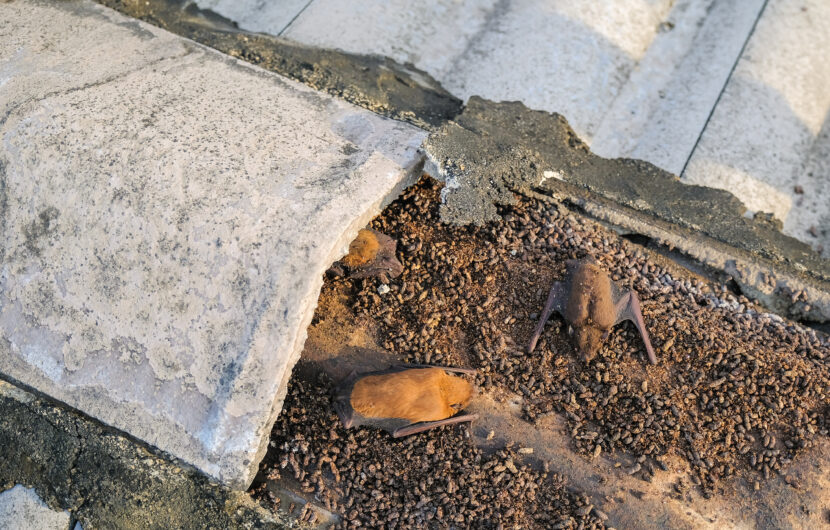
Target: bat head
column 458, row 392
column 588, row 341
column 372, row 254
column 363, row 249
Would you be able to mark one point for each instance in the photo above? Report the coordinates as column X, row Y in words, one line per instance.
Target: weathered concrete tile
column 21, row 508
column 165, row 228
column 431, row 35
column 257, row 15
column 767, row 127
column 565, row 57
column 662, row 109
column 571, row 58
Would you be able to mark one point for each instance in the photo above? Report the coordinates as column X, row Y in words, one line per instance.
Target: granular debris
column 737, row 391
column 438, row 479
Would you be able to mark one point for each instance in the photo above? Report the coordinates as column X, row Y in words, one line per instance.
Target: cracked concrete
column 380, row 84
column 167, row 218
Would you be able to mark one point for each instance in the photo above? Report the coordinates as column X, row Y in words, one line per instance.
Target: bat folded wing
column 628, row 308
column 557, row 299
column 426, row 425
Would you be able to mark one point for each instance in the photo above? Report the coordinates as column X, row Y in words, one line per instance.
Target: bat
column 591, row 304
column 371, row 254
column 404, row 400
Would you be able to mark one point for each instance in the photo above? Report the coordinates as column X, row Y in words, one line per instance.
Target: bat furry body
column 404, row 400
column 592, row 304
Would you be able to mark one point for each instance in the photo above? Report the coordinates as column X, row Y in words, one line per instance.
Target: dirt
column 107, row 480
column 730, row 428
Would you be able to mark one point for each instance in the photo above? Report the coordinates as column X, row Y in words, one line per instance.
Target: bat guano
column 591, row 304
column 404, row 400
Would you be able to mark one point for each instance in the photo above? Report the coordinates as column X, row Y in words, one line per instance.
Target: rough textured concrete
column 377, row 83
column 106, row 480
column 167, row 215
column 492, row 150
column 571, row 58
column 768, row 133
column 662, row 109
column 21, row 508
column 431, row 35
column 257, row 15
column 654, row 111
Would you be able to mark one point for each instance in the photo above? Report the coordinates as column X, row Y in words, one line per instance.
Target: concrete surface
column 167, row 215
column 106, row 480
column 257, row 15
column 662, row 109
column 571, row 58
column 769, row 132
column 635, row 79
column 373, row 82
column 656, row 111
column 21, row 508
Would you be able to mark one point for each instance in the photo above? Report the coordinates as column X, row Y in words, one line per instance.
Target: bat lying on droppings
column 371, row 254
column 404, row 400
column 591, row 304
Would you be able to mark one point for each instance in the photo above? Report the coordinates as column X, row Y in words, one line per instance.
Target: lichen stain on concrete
column 43, row 226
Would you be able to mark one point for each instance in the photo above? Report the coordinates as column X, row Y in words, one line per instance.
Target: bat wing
column 628, row 308
column 341, row 400
column 427, row 425
column 557, row 299
column 451, row 369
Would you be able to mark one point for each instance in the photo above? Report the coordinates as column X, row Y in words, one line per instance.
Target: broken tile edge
column 339, row 249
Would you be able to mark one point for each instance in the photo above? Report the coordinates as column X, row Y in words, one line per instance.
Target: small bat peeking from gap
column 404, row 400
column 372, row 254
column 591, row 304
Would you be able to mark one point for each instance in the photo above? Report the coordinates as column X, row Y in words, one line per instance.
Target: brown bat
column 371, row 254
column 592, row 304
column 404, row 400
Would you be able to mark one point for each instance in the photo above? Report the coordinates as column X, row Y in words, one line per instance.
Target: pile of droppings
column 735, row 389
column 438, row 479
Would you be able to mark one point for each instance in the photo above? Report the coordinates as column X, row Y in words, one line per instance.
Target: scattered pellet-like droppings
column 735, row 390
